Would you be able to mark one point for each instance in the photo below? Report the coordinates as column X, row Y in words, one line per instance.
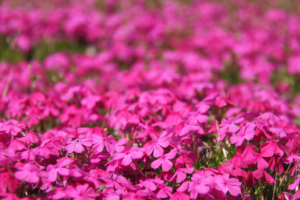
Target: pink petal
column 180, row 177
column 71, row 147
column 78, row 148
column 155, row 164
column 234, row 190
column 158, row 151
column 261, row 163
column 63, row 171
column 166, row 165
column 127, row 160
column 171, row 154
column 137, row 154
column 294, row 185
column 52, row 175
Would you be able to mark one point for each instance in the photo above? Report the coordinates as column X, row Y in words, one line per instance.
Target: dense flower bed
column 165, row 100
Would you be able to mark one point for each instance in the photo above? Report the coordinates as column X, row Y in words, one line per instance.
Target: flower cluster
column 167, row 101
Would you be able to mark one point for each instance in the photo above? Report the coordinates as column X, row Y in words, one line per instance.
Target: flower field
column 136, row 99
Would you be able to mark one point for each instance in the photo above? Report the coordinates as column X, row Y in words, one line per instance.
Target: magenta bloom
column 199, row 185
column 295, row 184
column 90, row 101
column 100, row 142
column 30, row 173
column 265, row 177
column 127, row 155
column 59, row 168
column 257, row 159
column 229, row 126
column 229, row 184
column 157, row 146
column 180, row 196
column 271, row 148
column 81, row 192
column 77, row 144
column 31, row 137
column 164, row 192
column 181, row 174
column 245, row 133
column 164, row 161
column 150, row 184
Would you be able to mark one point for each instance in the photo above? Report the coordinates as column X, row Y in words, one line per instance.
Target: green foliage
column 7, row 53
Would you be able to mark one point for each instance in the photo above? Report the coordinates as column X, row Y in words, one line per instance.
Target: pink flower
column 31, row 138
column 90, row 101
column 181, row 174
column 229, row 126
column 180, row 196
column 257, row 159
column 186, row 160
column 245, row 133
column 156, row 146
column 77, row 144
column 164, row 161
column 100, row 142
column 150, row 184
column 8, row 180
column 59, row 168
column 265, row 177
column 199, row 185
column 81, row 192
column 127, row 155
column 164, row 192
column 271, row 148
column 30, row 173
column 229, row 184
column 295, row 184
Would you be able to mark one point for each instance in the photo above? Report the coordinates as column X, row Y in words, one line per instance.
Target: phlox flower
column 229, row 126
column 30, row 172
column 101, row 141
column 180, row 196
column 199, row 185
column 77, row 144
column 292, row 158
column 16, row 145
column 187, row 159
column 8, row 180
column 6, row 155
column 9, row 196
column 228, row 184
column 30, row 138
column 181, row 174
column 270, row 117
column 271, row 148
column 72, row 116
column 257, row 159
column 150, row 184
column 90, row 101
column 245, row 133
column 127, row 155
column 81, row 192
column 57, row 193
column 49, row 147
column 59, row 168
column 280, row 132
column 164, row 191
column 12, row 127
column 265, row 177
column 28, row 155
column 164, row 161
column 157, row 146
column 130, row 196
column 295, row 184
